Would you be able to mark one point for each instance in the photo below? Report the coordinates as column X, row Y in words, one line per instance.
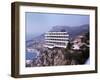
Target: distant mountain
column 35, row 40
column 72, row 31
column 40, row 37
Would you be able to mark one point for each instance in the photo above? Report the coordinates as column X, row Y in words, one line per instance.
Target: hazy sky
column 37, row 23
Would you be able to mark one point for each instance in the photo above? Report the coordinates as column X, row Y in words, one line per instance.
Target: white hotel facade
column 56, row 39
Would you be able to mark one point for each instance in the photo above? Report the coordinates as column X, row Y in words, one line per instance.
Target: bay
column 30, row 55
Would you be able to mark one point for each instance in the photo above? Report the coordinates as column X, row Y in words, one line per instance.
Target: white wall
column 5, row 40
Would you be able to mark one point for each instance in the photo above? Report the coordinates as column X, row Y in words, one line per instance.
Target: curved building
column 56, row 39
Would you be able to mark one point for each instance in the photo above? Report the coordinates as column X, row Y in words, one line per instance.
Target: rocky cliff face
column 62, row 56
column 51, row 57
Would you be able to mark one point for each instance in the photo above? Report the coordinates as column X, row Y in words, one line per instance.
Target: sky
column 38, row 23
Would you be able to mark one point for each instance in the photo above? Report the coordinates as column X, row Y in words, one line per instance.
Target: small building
column 56, row 39
column 78, row 42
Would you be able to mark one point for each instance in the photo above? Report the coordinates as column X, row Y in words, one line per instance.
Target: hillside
column 72, row 31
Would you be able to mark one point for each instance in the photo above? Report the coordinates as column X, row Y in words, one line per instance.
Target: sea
column 30, row 55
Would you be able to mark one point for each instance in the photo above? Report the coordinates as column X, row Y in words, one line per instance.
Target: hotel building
column 56, row 39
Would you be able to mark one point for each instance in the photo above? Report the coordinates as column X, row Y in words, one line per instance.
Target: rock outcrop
column 62, row 56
